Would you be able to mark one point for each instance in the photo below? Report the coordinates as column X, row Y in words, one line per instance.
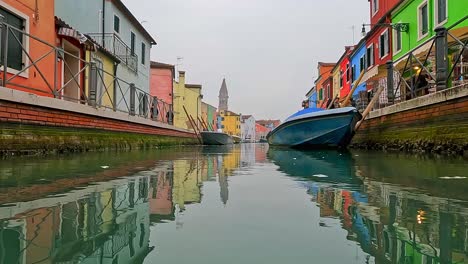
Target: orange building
column 324, row 93
column 25, row 54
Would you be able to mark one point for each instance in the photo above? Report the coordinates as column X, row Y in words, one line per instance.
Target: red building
column 162, row 81
column 344, row 64
column 379, row 48
column 324, row 94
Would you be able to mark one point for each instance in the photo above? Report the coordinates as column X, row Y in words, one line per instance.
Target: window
column 383, row 44
column 353, row 72
column 15, row 52
column 132, row 43
column 423, row 25
column 347, row 73
column 375, row 6
column 362, row 63
column 397, row 40
column 116, row 24
column 222, row 118
column 440, row 11
column 321, row 94
column 143, row 53
column 370, row 56
column 341, row 79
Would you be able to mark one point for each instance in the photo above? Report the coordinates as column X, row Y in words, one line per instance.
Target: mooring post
column 132, row 99
column 92, row 93
column 390, row 94
column 441, row 55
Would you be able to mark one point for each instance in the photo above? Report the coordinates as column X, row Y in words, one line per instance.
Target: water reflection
column 393, row 223
column 396, row 208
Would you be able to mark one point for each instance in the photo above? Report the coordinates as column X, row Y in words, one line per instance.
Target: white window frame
column 113, row 24
column 386, row 44
column 395, row 39
column 420, row 35
column 375, row 7
column 436, row 13
column 24, row 74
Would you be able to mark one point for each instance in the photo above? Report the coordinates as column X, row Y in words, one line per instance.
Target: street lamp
column 400, row 27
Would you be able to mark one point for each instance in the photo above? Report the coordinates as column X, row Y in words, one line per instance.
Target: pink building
column 161, row 82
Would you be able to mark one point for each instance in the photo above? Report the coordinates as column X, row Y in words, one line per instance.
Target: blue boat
column 316, row 128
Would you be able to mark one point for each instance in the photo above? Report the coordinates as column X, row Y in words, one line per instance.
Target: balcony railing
column 116, row 46
column 65, row 75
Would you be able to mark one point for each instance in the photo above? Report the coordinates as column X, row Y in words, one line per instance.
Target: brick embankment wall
column 26, row 128
column 434, row 123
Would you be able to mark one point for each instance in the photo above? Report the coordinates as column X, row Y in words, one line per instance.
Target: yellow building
column 336, row 81
column 187, row 183
column 230, row 123
column 188, row 95
column 106, row 63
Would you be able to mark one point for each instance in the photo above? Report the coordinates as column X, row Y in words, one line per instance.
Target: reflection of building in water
column 160, row 194
column 261, row 153
column 397, row 225
column 247, row 155
column 187, row 182
column 91, row 225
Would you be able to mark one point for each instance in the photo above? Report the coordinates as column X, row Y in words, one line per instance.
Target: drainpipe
column 103, row 22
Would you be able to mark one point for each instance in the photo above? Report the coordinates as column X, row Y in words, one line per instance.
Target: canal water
column 240, row 204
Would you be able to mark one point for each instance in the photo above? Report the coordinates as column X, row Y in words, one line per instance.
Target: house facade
column 423, row 17
column 208, row 116
column 358, row 58
column 114, row 27
column 162, row 81
column 188, row 96
column 261, row 132
column 35, row 18
column 345, row 73
column 248, row 128
column 324, row 93
column 230, row 123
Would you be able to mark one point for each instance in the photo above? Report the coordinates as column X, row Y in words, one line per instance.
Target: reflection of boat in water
column 216, row 138
column 312, row 128
column 320, row 166
column 219, row 149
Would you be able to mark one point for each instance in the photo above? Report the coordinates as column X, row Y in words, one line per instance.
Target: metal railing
column 443, row 65
column 112, row 43
column 53, row 71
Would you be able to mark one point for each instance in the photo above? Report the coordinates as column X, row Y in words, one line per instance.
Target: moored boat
column 315, row 128
column 215, row 138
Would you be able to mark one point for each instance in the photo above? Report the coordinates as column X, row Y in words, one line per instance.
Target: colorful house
column 378, row 42
column 230, row 123
column 261, row 133
column 162, row 81
column 311, row 101
column 344, row 65
column 35, row 18
column 324, row 93
column 248, row 128
column 270, row 124
column 188, row 96
column 208, row 115
column 358, row 57
column 117, row 30
column 423, row 17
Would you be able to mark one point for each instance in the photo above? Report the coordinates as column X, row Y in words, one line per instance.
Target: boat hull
column 329, row 128
column 216, row 138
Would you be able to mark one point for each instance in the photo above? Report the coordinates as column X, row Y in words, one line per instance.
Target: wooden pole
column 355, row 85
column 193, row 125
column 333, row 102
column 369, row 107
column 202, row 124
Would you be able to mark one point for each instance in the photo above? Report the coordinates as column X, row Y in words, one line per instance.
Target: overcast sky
column 267, row 49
